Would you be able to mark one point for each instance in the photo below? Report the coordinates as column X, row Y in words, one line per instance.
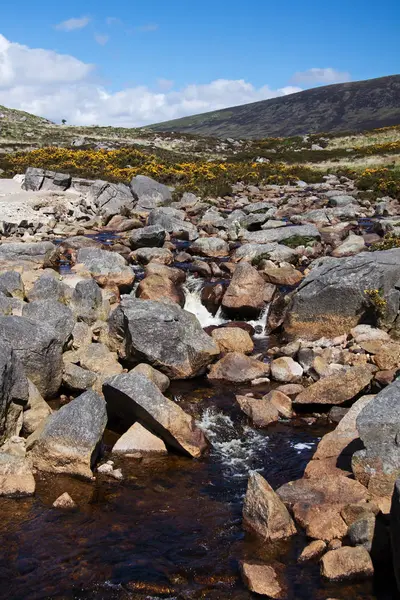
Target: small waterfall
column 192, row 289
column 239, row 449
column 260, row 324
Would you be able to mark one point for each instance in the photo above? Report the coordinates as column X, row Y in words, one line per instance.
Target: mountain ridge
column 352, row 106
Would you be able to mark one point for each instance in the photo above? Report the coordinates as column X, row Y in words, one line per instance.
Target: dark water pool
column 172, row 528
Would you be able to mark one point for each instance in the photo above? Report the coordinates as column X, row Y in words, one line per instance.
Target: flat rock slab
column 332, row 489
column 139, row 442
column 132, row 397
column 347, row 564
column 336, row 389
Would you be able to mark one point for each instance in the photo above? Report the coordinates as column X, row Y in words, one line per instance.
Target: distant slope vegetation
column 342, row 107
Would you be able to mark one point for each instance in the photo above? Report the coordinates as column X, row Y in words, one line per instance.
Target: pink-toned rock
column 233, row 339
column 347, row 563
column 282, row 402
column 266, row 580
column 286, row 370
column 261, row 411
column 312, row 551
column 64, row 501
column 337, row 389
column 245, row 294
column 237, row 368
column 263, row 511
column 139, row 441
column 321, row 522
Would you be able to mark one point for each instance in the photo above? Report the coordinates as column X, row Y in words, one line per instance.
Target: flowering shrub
column 199, row 176
column 383, row 180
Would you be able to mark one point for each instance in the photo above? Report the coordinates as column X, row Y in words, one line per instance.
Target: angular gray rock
column 16, row 478
column 13, row 389
column 69, row 440
column 11, row 284
column 87, row 302
column 40, row 179
column 268, row 236
column 333, row 298
column 77, row 379
column 107, row 268
column 152, row 236
column 212, row 246
column 36, row 410
column 149, row 193
column 49, row 287
column 38, row 348
column 378, row 465
column 172, row 220
column 53, row 313
column 111, row 198
column 133, row 397
column 41, row 253
column 169, row 338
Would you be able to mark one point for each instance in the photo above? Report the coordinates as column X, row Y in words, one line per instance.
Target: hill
column 355, row 106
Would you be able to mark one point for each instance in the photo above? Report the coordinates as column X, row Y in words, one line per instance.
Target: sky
column 131, row 63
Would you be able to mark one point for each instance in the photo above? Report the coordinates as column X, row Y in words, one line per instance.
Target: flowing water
column 171, row 529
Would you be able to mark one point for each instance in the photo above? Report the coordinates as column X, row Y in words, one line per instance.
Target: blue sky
column 137, row 62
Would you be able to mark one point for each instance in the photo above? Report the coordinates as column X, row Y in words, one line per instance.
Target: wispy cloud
column 113, row 21
column 147, row 28
column 165, row 84
column 315, row 76
column 101, row 39
column 73, row 24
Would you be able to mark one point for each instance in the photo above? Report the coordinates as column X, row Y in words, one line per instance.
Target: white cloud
column 58, row 87
column 72, row 24
column 147, row 28
column 326, row 76
column 101, row 39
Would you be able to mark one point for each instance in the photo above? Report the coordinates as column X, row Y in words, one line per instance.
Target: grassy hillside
column 355, row 106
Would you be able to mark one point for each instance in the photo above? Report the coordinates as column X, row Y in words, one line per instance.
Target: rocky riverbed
column 199, row 397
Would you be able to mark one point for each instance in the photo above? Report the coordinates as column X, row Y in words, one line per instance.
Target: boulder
column 172, row 221
column 332, row 489
column 69, row 440
column 282, row 403
column 152, row 236
column 99, row 359
column 260, row 411
column 53, row 313
column 321, row 522
column 266, row 580
column 233, row 339
column 264, row 513
column 286, row 275
column 16, row 478
column 211, row 246
column 286, row 370
column 40, row 179
column 336, row 389
column 159, row 288
column 347, row 564
column 49, row 287
column 235, row 367
column 38, row 253
column 107, row 268
column 88, row 304
column 158, row 378
column 149, row 193
column 35, row 411
column 338, row 294
column 77, row 379
column 139, row 442
column 144, row 256
column 169, row 338
column 133, row 397
column 245, row 294
column 11, row 284
column 13, row 390
column 267, row 236
column 39, row 349
column 378, row 465
column 111, row 198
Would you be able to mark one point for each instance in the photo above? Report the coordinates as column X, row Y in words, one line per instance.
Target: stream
column 171, row 529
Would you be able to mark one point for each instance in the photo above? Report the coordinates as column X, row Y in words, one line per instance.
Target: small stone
column 261, row 411
column 346, row 564
column 312, row 551
column 266, row 580
column 64, row 501
column 286, row 370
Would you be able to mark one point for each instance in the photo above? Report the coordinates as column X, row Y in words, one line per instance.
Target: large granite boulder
column 169, row 338
column 40, row 179
column 152, row 236
column 149, row 193
column 245, row 296
column 339, row 293
column 39, row 349
column 172, row 220
column 107, row 268
column 54, row 313
column 111, row 198
column 68, row 441
column 377, row 466
column 133, row 397
column 39, row 253
column 13, row 390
